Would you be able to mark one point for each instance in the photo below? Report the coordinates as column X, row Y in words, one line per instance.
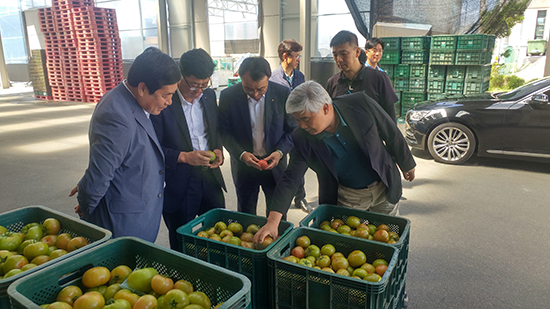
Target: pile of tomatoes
column 327, row 259
column 35, row 244
column 235, row 235
column 354, row 227
column 122, row 288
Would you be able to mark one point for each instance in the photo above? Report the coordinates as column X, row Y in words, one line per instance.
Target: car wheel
column 451, row 143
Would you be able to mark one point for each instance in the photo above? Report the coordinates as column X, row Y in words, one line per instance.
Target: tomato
column 24, row 244
column 100, row 289
column 69, row 294
column 340, row 263
column 57, row 253
column 28, row 266
column 146, row 302
column 59, row 305
column 10, row 241
column 199, row 298
column 313, row 250
column 353, row 222
column 119, row 304
column 194, row 306
column 63, row 240
column 175, row 299
column 96, row 276
column 357, row 258
column 26, row 228
column 111, row 291
column 41, row 259
column 305, row 262
column 35, row 232
column 328, row 249
column 51, row 249
column 15, row 262
column 90, row 300
column 381, row 269
column 76, row 243
column 161, row 284
column 35, row 249
column 183, row 285
column 12, row 272
column 3, row 230
column 303, row 241
column 4, row 255
column 323, row 261
column 51, row 226
column 140, row 279
column 127, row 295
column 119, row 274
column 50, row 240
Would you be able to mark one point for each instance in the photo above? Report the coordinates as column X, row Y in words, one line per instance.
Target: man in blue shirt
column 374, row 49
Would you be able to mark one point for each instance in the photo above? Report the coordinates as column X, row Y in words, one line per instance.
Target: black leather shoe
column 302, row 204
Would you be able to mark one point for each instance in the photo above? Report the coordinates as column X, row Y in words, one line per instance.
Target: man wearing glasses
column 375, row 49
column 255, row 126
column 189, row 136
column 355, row 77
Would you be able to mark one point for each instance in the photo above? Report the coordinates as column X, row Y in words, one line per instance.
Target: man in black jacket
column 353, row 146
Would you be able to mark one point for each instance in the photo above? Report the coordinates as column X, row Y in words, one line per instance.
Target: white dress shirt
column 257, row 121
column 195, row 122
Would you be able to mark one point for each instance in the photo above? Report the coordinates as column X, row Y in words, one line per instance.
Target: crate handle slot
column 63, row 280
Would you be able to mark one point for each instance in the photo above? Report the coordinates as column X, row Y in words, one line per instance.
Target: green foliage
column 513, row 81
column 500, row 20
column 501, row 82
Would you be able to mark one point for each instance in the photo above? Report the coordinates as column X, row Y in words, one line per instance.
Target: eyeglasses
column 196, row 87
column 251, row 91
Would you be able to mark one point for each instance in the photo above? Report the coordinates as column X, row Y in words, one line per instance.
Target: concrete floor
column 478, row 231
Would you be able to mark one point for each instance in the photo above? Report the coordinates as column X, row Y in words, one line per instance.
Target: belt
column 374, row 184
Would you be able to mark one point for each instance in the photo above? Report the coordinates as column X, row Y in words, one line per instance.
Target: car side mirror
column 540, row 98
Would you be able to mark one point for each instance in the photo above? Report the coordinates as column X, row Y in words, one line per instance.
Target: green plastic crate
column 388, row 68
column 401, row 71
column 417, row 85
column 454, row 86
column 14, row 220
column 478, row 73
column 437, row 71
column 391, row 57
column 398, row 109
column 435, row 85
column 249, row 262
column 418, row 71
column 472, row 42
column 298, row 286
column 415, row 57
column 399, row 225
column 219, row 284
column 471, row 87
column 442, row 58
column 471, row 58
column 443, row 42
column 401, row 84
column 457, row 72
column 392, row 43
column 415, row 43
column 410, row 99
column 436, row 96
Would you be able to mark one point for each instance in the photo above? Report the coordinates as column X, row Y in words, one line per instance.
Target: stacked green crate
column 415, row 49
column 391, row 43
column 418, row 74
column 454, row 81
column 436, row 79
column 392, row 51
column 471, row 49
column 39, row 74
column 477, row 79
column 401, row 77
column 442, row 49
column 410, row 99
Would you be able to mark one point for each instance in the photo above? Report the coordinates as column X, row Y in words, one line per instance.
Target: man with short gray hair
column 354, row 147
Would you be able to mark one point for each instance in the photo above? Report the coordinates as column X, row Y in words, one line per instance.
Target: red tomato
column 132, row 298
column 161, row 285
column 146, row 302
column 76, row 243
column 59, row 305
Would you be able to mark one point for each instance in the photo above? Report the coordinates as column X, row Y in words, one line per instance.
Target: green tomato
column 24, row 244
column 3, row 230
column 12, row 272
column 35, row 249
column 10, row 241
column 111, row 291
column 140, row 279
column 26, row 228
column 175, row 299
column 305, row 262
column 35, row 232
column 119, row 304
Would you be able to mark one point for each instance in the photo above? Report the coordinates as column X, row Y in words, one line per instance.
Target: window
column 539, row 30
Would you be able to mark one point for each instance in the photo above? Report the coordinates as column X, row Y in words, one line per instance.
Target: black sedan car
column 514, row 124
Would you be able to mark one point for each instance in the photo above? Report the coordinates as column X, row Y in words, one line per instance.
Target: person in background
column 356, row 77
column 187, row 130
column 375, row 49
column 122, row 189
column 287, row 74
column 255, row 126
column 352, row 145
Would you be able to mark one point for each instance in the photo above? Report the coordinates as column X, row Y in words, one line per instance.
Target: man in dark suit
column 122, row 187
column 187, row 130
column 353, row 146
column 254, row 125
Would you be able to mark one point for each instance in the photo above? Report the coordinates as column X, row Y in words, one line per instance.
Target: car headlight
column 419, row 115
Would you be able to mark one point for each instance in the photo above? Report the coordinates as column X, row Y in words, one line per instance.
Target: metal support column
column 3, row 68
column 305, row 37
column 162, row 26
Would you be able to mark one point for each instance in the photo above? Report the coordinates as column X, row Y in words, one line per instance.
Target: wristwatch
column 282, row 154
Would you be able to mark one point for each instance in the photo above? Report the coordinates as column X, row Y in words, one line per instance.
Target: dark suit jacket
column 379, row 139
column 122, row 187
column 173, row 134
column 236, row 129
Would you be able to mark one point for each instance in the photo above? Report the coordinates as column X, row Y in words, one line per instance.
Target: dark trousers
column 301, row 192
column 204, row 193
column 248, row 189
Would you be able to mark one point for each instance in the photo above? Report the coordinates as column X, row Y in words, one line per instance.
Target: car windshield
column 523, row 90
